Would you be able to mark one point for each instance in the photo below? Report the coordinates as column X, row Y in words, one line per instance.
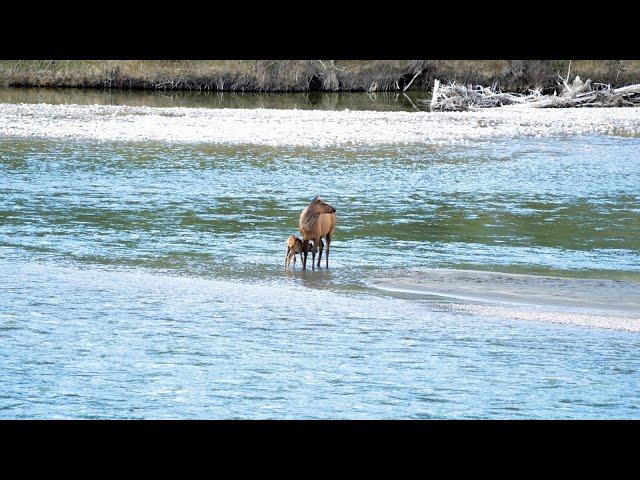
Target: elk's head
column 321, row 206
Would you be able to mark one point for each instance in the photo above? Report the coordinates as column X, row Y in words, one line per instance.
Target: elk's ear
column 316, row 198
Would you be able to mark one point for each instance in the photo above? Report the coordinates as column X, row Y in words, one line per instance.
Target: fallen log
column 605, row 97
column 457, row 97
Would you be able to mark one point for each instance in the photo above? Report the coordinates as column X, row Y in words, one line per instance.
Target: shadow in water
column 383, row 101
column 319, row 279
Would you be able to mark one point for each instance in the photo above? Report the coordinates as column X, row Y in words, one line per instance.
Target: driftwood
column 457, row 97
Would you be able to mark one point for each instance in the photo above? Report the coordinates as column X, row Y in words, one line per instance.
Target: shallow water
column 145, row 279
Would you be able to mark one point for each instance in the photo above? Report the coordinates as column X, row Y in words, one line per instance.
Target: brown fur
column 295, row 246
column 317, row 221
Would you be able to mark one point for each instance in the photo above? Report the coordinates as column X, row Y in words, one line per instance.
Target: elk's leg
column 320, row 255
column 328, row 238
column 305, row 251
column 286, row 258
column 313, row 255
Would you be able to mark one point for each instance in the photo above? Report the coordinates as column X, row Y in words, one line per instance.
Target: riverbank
column 309, row 75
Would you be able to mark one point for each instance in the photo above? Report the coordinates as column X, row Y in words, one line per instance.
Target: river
column 141, row 262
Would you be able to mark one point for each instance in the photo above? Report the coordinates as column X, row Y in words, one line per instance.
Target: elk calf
column 295, row 246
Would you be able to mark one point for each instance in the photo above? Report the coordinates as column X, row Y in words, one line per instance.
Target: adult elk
column 317, row 221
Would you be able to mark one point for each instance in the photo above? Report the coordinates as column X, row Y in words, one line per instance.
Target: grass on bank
column 308, row 75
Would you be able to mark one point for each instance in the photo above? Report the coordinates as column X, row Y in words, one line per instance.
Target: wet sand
column 590, row 302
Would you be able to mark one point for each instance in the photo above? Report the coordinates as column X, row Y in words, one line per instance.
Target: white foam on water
column 594, row 319
column 304, row 127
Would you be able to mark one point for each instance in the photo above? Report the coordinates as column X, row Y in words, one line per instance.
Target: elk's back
column 326, row 224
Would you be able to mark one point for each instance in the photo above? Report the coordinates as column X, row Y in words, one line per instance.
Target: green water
column 504, row 206
column 381, row 101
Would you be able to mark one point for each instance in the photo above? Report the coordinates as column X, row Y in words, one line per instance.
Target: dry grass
column 308, row 75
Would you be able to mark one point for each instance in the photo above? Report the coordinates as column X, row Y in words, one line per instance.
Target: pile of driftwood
column 457, row 97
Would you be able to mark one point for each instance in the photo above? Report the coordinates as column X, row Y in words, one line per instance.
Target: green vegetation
column 308, row 75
